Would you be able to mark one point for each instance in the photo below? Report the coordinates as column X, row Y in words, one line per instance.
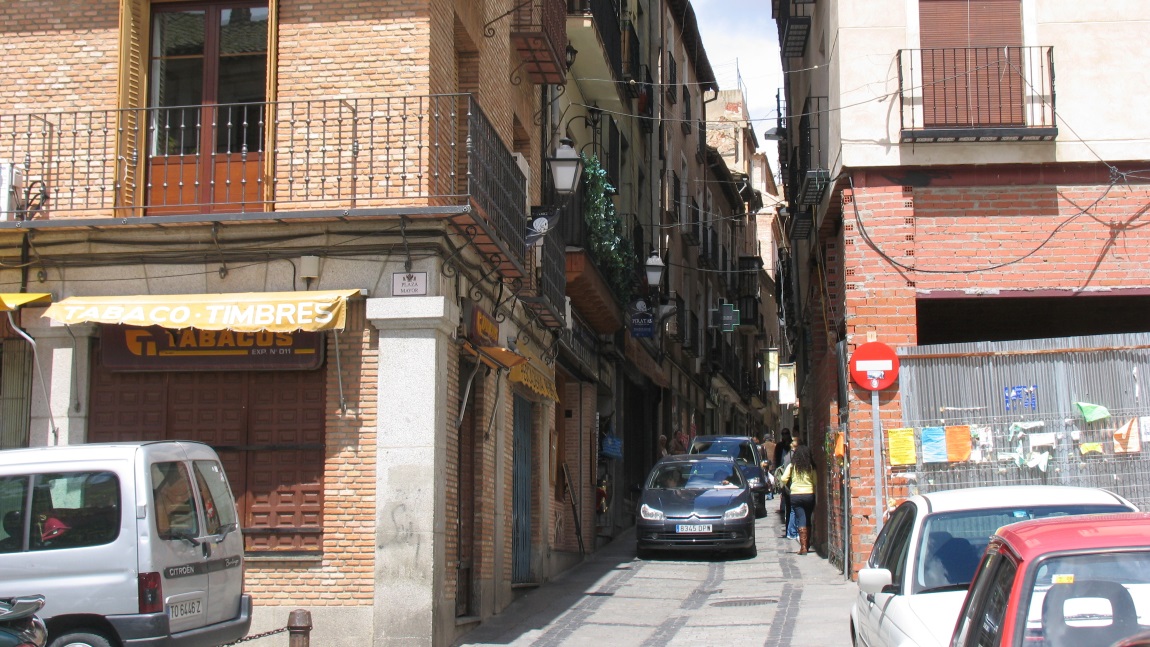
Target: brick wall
column 958, row 228
column 59, row 54
column 344, row 573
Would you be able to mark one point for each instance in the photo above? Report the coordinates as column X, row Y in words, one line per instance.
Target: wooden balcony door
column 207, row 107
column 972, row 63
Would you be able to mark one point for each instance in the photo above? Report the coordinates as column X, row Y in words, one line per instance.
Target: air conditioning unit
column 11, row 191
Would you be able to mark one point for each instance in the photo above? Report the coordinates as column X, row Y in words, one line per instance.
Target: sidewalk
column 776, row 599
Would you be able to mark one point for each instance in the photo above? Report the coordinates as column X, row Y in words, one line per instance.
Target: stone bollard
column 299, row 628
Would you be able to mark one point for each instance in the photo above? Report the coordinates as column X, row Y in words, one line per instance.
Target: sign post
column 874, row 366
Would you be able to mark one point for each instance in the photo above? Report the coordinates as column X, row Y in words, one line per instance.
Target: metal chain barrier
column 256, row 636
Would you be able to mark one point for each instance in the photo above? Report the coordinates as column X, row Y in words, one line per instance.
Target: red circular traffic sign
column 874, row 366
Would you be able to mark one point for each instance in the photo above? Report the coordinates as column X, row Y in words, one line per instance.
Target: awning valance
column 12, row 300
column 535, row 378
column 244, row 311
column 496, row 357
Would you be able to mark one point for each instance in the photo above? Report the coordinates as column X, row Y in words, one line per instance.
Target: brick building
column 299, row 232
column 944, row 185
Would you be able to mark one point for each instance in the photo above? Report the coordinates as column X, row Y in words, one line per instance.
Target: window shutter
column 133, row 61
column 971, row 62
column 270, row 110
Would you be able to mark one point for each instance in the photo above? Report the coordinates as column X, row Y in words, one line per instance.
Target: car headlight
column 651, row 514
column 736, row 513
column 754, row 481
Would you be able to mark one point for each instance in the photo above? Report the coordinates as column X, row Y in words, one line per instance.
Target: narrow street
column 775, row 599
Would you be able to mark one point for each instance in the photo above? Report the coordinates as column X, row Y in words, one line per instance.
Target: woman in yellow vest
column 801, row 478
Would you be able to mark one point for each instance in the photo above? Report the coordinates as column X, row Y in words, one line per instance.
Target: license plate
column 177, row 610
column 693, row 528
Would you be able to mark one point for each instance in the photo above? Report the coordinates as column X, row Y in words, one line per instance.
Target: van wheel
column 80, row 639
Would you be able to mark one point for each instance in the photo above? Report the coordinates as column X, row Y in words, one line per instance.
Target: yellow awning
column 534, row 378
column 244, row 312
column 496, row 357
column 12, row 300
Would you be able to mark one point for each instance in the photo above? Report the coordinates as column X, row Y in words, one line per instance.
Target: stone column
column 415, row 343
column 62, row 364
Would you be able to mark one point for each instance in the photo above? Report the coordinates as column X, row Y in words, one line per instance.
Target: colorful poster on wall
column 933, row 445
column 1127, row 438
column 958, row 443
column 900, row 443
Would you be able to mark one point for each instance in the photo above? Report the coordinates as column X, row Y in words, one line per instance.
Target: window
column 890, row 549
column 68, row 510
column 219, row 505
column 672, row 80
column 971, row 62
column 198, row 125
column 176, row 512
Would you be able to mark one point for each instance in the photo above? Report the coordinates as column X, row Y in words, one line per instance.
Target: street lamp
column 655, row 267
column 566, row 167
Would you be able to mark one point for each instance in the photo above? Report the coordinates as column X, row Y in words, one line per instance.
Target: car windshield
column 738, row 450
column 673, row 476
column 1094, row 599
column 951, row 543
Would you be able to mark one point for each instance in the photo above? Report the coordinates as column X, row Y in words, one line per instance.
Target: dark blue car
column 750, row 460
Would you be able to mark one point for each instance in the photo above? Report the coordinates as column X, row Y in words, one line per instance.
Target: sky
column 741, row 41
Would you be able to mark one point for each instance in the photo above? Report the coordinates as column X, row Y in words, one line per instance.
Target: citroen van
column 131, row 543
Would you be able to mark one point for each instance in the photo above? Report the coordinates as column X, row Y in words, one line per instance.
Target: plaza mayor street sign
column 874, row 366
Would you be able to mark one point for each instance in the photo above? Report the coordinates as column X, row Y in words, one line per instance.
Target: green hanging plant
column 610, row 251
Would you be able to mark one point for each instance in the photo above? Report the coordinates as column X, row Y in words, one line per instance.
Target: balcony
column 582, row 345
column 431, row 156
column 750, row 268
column 977, row 94
column 800, row 225
column 709, row 248
column 632, row 60
column 539, row 34
column 794, row 22
column 594, row 29
column 692, row 230
column 544, row 290
column 691, row 345
column 750, row 314
column 586, row 284
column 676, row 328
column 811, row 174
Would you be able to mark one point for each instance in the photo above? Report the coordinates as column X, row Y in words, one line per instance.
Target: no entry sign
column 874, row 366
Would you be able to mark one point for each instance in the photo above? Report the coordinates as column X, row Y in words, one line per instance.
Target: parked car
column 131, row 543
column 924, row 559
column 693, row 502
column 19, row 624
column 746, row 451
column 1066, row 582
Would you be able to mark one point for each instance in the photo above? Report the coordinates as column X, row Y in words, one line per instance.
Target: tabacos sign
column 134, row 348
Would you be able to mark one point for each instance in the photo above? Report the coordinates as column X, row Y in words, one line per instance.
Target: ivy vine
column 610, row 251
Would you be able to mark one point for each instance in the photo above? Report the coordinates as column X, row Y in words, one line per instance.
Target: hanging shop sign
column 642, row 321
column 132, row 348
column 482, row 329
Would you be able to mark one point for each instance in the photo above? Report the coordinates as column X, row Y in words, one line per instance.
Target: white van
column 131, row 543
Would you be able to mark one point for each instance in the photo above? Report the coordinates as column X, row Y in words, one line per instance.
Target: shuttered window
column 139, row 127
column 971, row 62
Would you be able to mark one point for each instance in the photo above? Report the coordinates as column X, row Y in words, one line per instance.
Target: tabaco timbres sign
column 132, row 348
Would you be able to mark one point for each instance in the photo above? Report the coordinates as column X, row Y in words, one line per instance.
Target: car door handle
column 870, row 598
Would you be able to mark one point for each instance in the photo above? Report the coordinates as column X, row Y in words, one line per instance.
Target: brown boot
column 804, row 540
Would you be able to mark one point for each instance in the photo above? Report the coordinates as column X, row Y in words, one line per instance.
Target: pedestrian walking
column 781, row 459
column 801, row 477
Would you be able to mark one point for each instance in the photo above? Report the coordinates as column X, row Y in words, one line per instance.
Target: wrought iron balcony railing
column 545, row 287
column 606, row 15
column 967, row 94
column 425, row 156
column 539, row 34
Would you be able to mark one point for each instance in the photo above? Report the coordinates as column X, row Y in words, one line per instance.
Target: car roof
column 1031, row 539
column 715, row 438
column 999, row 496
column 85, row 451
column 696, row 458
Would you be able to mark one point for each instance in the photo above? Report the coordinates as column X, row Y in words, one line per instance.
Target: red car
column 1061, row 582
